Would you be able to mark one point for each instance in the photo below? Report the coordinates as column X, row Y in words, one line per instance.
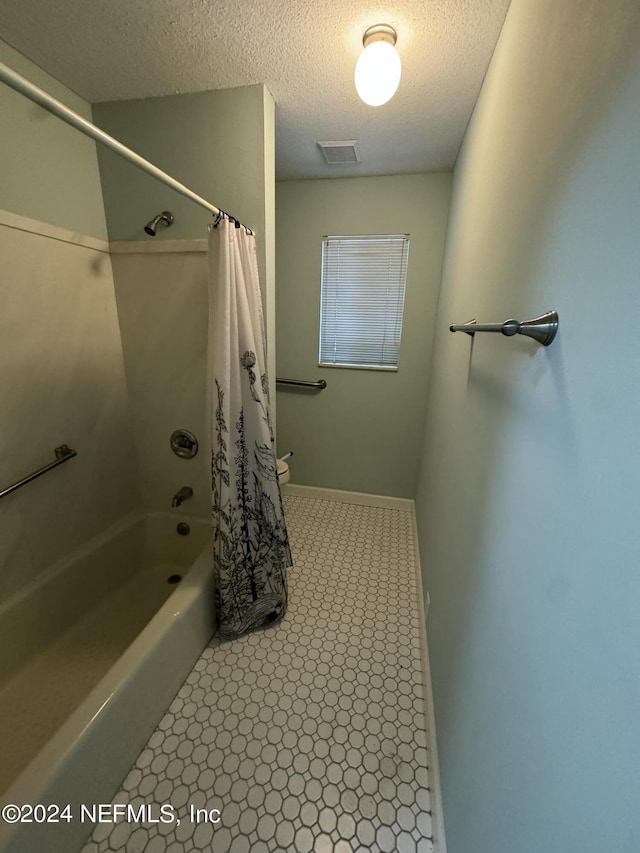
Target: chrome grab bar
column 302, row 384
column 542, row 329
column 62, row 454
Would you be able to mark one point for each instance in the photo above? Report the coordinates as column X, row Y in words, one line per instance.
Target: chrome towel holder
column 542, row 329
column 63, row 454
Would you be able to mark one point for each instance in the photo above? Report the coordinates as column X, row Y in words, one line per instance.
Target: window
column 362, row 300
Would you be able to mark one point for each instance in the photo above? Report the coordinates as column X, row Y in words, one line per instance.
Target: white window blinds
column 362, row 300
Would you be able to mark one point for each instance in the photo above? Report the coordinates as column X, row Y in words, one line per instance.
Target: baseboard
column 437, row 812
column 358, row 498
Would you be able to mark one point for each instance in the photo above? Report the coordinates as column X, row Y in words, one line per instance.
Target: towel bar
column 542, row 329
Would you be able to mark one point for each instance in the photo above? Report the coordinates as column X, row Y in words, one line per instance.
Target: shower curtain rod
column 43, row 99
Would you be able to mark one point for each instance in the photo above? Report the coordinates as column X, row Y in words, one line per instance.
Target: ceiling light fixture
column 378, row 68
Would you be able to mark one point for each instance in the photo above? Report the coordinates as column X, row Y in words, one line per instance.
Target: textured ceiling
column 305, row 54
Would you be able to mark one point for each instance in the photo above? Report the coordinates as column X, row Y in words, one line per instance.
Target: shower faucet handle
column 184, row 443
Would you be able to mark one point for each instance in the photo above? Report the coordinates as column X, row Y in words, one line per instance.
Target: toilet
column 283, row 472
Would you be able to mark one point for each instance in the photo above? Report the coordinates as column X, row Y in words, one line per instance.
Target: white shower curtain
column 251, row 547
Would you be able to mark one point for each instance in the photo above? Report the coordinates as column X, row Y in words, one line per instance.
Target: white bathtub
column 139, row 647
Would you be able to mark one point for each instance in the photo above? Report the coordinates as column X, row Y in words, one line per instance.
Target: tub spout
column 182, row 495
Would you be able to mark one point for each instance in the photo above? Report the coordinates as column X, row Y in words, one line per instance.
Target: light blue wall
column 48, row 170
column 363, row 432
column 528, row 499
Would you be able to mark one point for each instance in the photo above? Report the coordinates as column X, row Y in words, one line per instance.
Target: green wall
column 528, row 499
column 220, row 144
column 48, row 170
column 213, row 142
column 363, row 432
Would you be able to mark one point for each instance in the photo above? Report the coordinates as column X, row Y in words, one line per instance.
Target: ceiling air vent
column 340, row 153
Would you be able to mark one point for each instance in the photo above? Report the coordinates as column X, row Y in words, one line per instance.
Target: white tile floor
column 308, row 736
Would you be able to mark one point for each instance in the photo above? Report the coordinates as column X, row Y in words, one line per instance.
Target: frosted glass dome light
column 378, row 69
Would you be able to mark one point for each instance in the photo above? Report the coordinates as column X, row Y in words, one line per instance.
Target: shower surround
column 65, row 624
column 63, row 382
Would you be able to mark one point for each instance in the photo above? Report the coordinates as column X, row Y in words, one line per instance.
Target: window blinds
column 362, row 300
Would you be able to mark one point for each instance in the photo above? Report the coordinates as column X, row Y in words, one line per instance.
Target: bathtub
column 92, row 655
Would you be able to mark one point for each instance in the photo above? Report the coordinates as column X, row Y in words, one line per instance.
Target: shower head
column 164, row 218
